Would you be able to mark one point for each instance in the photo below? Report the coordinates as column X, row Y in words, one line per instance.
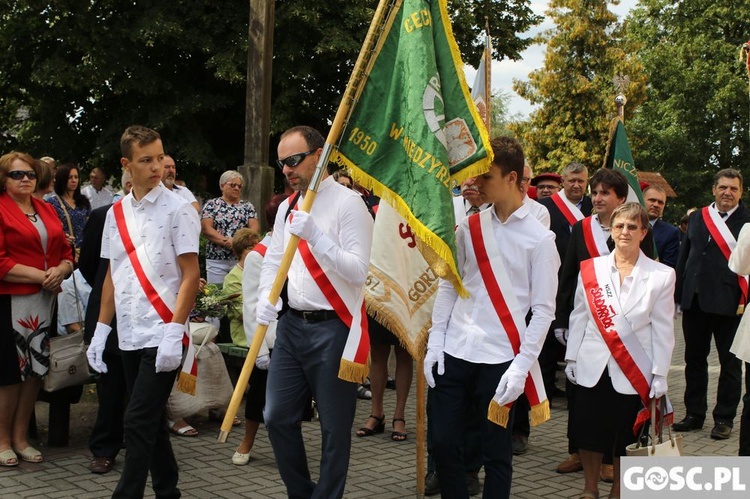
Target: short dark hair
column 312, row 136
column 139, row 135
column 610, row 179
column 728, row 173
column 509, row 156
column 272, row 207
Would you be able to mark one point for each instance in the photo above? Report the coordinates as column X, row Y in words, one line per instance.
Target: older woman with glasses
column 221, row 218
column 620, row 345
column 34, row 259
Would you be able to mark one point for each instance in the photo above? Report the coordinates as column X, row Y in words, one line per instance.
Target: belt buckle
column 308, row 316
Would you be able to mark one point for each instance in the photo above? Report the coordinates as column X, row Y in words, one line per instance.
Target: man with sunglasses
column 328, row 271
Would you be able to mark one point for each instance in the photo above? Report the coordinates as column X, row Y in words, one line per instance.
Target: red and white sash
column 161, row 298
column 606, row 312
column 570, row 211
column 594, row 237
column 354, row 365
column 726, row 242
column 510, row 315
column 262, row 246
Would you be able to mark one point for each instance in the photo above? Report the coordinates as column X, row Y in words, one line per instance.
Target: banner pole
column 421, row 428
column 355, row 80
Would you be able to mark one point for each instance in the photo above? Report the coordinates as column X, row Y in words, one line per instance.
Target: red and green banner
column 414, row 129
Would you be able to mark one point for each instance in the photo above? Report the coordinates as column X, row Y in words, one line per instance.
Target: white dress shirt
column 169, row 227
column 461, row 208
column 538, row 210
column 530, row 257
column 185, row 193
column 98, row 198
column 344, row 248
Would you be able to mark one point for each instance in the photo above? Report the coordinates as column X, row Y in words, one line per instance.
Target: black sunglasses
column 293, row 160
column 19, row 174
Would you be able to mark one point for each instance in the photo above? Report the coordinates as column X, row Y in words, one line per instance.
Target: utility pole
column 258, row 175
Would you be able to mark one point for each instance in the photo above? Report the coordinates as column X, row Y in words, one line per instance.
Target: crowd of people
column 553, row 275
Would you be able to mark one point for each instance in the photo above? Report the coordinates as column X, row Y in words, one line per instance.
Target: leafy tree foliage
column 695, row 120
column 575, row 90
column 74, row 74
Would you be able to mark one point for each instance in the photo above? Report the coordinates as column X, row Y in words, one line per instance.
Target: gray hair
column 575, row 167
column 630, row 211
column 229, row 175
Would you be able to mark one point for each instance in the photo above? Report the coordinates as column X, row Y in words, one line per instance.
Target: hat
column 547, row 176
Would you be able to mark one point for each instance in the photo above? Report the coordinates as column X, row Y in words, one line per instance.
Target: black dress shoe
column 101, row 465
column 690, row 423
column 431, row 484
column 721, row 431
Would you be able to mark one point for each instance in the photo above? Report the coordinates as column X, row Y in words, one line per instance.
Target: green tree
column 74, row 74
column 501, row 117
column 695, row 120
column 574, row 89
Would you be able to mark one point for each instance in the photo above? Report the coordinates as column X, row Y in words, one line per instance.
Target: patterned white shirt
column 97, row 198
column 169, row 227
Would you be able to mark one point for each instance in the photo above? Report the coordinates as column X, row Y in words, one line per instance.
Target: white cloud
column 532, row 58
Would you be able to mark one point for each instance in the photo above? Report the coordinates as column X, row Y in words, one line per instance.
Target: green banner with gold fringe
column 414, row 129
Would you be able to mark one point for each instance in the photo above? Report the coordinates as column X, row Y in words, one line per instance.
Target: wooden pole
column 421, row 428
column 488, row 73
column 357, row 78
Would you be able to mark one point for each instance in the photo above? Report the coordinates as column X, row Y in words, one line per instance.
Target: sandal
column 8, row 458
column 379, row 428
column 398, row 436
column 183, row 431
column 30, row 455
column 587, row 494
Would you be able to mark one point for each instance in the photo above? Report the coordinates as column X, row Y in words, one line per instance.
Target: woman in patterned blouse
column 68, row 198
column 221, row 218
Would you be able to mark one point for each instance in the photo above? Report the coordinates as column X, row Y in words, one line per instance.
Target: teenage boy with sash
column 508, row 264
column 151, row 240
column 713, row 299
column 590, row 238
column 321, row 342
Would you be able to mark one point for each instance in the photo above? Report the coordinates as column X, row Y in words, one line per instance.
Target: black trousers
column 699, row 327
column 463, row 383
column 472, row 448
column 146, row 432
column 107, row 435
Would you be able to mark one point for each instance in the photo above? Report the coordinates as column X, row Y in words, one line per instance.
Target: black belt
column 314, row 315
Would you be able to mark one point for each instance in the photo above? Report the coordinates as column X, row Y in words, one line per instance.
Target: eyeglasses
column 293, row 160
column 19, row 174
column 620, row 226
column 543, row 187
column 235, row 186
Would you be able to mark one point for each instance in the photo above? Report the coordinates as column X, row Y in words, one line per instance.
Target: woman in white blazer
column 633, row 299
column 739, row 263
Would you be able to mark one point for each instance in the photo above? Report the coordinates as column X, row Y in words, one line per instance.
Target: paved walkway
column 379, row 468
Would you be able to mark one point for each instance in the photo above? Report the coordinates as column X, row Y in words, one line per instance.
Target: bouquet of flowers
column 211, row 302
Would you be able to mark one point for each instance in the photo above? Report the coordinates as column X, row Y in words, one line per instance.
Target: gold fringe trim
column 498, row 414
column 353, row 372
column 421, row 231
column 540, row 413
column 186, row 383
column 483, row 165
column 417, row 346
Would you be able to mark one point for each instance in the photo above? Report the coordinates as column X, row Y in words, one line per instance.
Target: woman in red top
column 34, row 259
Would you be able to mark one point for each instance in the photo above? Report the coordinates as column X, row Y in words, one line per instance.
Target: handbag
column 68, row 364
column 663, row 448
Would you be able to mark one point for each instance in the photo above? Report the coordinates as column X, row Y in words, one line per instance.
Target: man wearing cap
column 547, row 184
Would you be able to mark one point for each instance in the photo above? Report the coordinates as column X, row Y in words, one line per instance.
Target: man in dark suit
column 666, row 235
column 712, row 302
column 107, row 434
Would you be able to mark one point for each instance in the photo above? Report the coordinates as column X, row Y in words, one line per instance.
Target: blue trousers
column 462, row 384
column 146, row 432
column 306, row 360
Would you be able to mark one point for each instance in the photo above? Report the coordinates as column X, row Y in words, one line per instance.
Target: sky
column 532, row 58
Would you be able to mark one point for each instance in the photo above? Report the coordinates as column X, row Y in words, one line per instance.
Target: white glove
column 262, row 362
column 95, row 352
column 658, row 387
column 561, row 334
column 169, row 353
column 435, row 355
column 511, row 386
column 304, row 226
column 266, row 312
column 570, row 371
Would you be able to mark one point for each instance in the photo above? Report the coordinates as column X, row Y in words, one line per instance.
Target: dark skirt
column 10, row 374
column 603, row 419
column 255, row 398
column 379, row 335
